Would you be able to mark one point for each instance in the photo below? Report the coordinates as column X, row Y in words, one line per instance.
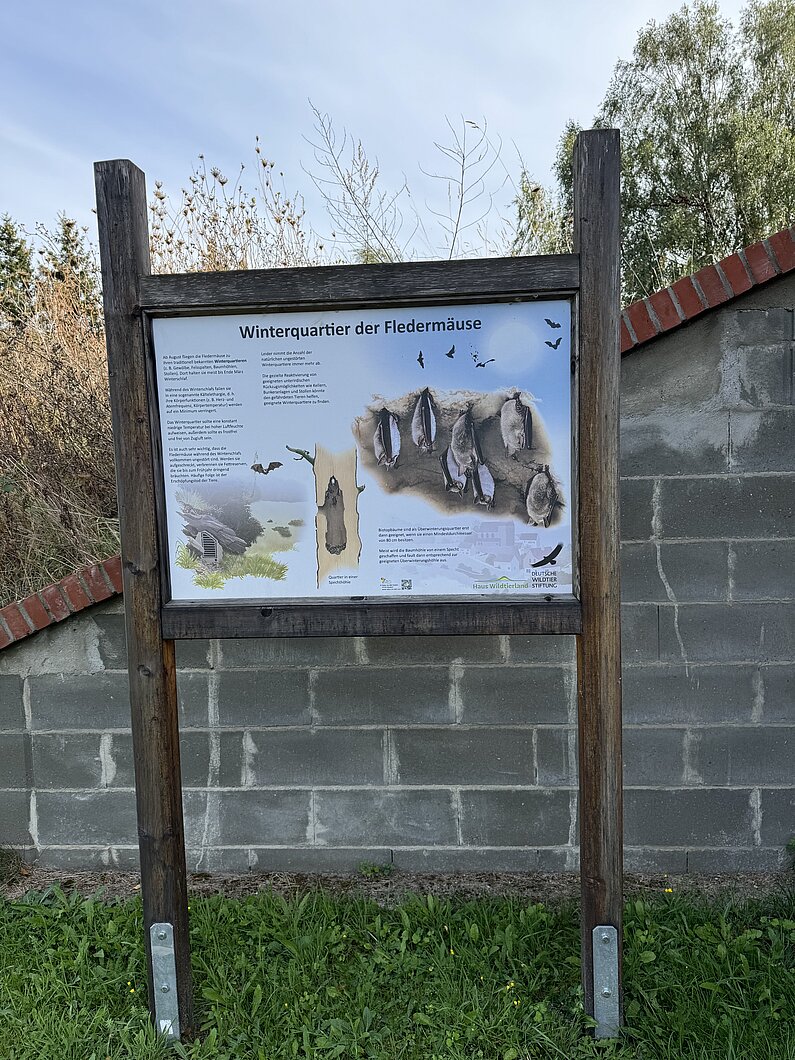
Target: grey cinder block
column 636, row 509
column 14, row 817
column 692, row 571
column 557, row 764
column 695, row 695
column 82, row 760
column 80, row 701
column 263, row 697
column 652, row 859
column 83, row 818
column 279, row 652
column 654, row 756
column 731, row 506
column 707, row 816
column 751, row 756
column 712, row 632
column 372, row 695
column 471, row 859
column 778, row 694
column 542, row 649
column 13, row 760
column 778, row 816
column 514, row 695
column 755, row 327
column 386, row 817
column 515, row 818
column 763, row 440
column 736, row 859
column 763, row 570
column 664, row 444
column 318, row 756
column 431, row 651
column 464, row 756
column 765, row 375
column 639, row 633
column 12, row 711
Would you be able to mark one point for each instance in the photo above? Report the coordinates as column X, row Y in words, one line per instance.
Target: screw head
column 164, row 988
column 161, row 934
column 606, row 992
column 605, row 937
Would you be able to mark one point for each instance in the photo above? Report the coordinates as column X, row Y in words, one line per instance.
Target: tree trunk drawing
column 337, row 523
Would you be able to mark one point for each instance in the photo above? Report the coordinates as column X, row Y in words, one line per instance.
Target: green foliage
column 16, row 269
column 66, row 257
column 257, row 565
column 707, row 122
column 320, row 977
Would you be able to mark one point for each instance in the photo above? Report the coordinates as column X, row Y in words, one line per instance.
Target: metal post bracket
column 164, row 979
column 606, row 999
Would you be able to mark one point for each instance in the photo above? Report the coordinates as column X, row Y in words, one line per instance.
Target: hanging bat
column 552, row 323
column 482, row 364
column 420, row 360
column 451, row 351
column 554, row 345
column 550, row 559
column 266, row 470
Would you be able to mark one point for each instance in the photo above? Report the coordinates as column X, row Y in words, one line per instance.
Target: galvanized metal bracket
column 606, row 999
column 164, row 979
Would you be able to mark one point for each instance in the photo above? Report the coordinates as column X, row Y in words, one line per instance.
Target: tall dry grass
column 57, row 485
column 57, row 482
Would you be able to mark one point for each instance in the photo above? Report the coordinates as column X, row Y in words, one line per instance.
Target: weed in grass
column 323, row 977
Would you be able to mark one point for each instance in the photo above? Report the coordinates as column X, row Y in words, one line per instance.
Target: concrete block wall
column 459, row 753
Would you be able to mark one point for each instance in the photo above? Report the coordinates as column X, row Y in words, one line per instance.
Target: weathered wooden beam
column 370, row 618
column 597, row 240
column 124, row 253
column 330, row 286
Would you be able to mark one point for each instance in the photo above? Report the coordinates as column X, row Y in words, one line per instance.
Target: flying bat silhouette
column 554, row 345
column 451, row 351
column 552, row 323
column 482, row 364
column 420, row 360
column 265, row 470
column 551, row 558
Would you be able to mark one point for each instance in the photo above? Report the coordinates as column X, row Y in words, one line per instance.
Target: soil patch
column 389, row 888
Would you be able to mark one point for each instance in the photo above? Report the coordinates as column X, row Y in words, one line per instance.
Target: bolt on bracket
column 606, row 999
column 164, row 979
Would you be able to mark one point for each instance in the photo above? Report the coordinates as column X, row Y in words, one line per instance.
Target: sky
column 160, row 83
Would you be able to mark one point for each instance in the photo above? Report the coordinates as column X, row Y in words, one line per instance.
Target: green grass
column 325, row 977
column 259, row 565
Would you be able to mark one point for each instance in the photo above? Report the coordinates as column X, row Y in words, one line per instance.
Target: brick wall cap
column 765, row 261
column 57, row 602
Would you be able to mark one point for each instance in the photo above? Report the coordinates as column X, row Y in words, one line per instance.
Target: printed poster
column 390, row 453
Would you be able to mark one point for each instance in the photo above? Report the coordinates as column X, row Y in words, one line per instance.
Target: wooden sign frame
column 133, row 297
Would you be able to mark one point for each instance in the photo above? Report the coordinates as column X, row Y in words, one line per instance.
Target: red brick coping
column 641, row 322
column 707, row 289
column 58, row 601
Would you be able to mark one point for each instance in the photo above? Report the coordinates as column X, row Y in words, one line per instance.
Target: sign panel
column 390, row 453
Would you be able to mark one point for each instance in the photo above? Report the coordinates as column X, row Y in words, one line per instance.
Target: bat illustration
column 451, row 351
column 482, row 364
column 420, row 360
column 265, row 470
column 552, row 323
column 333, row 508
column 550, row 559
column 554, row 345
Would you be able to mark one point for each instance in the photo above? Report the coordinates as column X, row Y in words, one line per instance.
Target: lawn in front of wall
column 321, row 976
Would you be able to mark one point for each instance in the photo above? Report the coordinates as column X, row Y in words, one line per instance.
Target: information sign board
column 396, row 452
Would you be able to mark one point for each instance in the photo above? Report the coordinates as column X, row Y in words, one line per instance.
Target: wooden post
column 597, row 240
column 124, row 253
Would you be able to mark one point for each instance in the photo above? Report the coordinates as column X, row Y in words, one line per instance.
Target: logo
column 500, row 583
